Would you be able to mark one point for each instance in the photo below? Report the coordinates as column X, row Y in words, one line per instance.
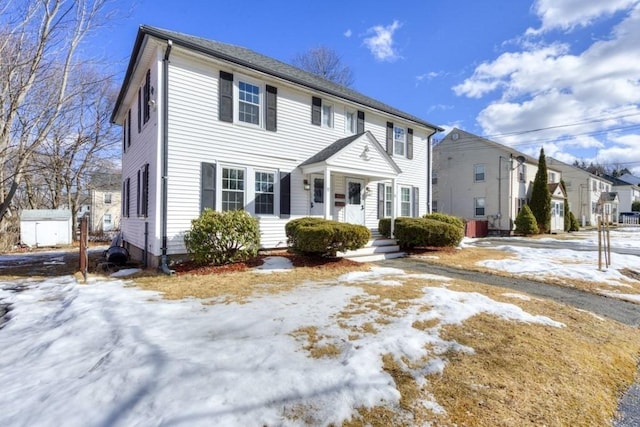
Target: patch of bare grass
column 314, row 343
column 239, row 286
column 535, row 375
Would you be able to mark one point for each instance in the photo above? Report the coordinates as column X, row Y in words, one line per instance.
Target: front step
column 376, row 250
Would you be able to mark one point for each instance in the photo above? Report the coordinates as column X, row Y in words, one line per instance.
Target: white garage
column 46, row 227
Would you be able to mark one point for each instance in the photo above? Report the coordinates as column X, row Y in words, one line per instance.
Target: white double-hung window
column 248, row 103
column 264, row 192
column 233, row 187
column 399, row 141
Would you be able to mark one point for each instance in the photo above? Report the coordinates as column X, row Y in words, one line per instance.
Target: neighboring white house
column 46, row 227
column 211, row 125
column 627, row 192
column 587, row 193
column 478, row 179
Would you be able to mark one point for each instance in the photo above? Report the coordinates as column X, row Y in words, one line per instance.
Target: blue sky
column 501, row 69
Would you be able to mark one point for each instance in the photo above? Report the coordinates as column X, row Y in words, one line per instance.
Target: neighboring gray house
column 211, row 125
column 479, row 179
column 588, row 193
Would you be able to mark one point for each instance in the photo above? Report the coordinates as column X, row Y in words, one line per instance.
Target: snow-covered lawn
column 107, row 353
column 572, row 264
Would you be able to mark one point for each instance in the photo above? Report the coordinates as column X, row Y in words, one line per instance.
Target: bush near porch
column 422, row 232
column 218, row 238
column 324, row 237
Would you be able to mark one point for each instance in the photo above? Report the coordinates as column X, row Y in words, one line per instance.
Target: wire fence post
column 599, row 243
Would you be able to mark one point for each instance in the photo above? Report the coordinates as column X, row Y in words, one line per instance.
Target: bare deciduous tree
column 326, row 63
column 39, row 40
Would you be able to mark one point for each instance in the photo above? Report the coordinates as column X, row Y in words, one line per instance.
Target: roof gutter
column 164, row 155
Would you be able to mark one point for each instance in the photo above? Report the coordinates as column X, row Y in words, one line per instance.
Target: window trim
column 323, row 115
column 476, row 207
column 399, row 142
column 401, row 202
column 237, row 80
column 350, row 128
column 220, row 179
column 107, row 198
column 476, row 173
column 274, row 193
column 388, row 200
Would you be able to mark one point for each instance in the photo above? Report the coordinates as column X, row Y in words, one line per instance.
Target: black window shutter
column 390, row 138
column 285, row 194
column 316, row 110
column 147, row 96
column 124, row 137
column 207, row 186
column 139, row 110
column 416, row 202
column 272, row 108
column 226, row 97
column 409, row 143
column 145, row 190
column 360, row 123
column 128, row 197
column 124, row 198
column 129, row 128
column 380, row 201
column 139, row 195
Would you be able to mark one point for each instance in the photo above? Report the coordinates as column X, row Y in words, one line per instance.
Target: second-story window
column 248, row 103
column 350, row 122
column 107, row 198
column 327, row 115
column 399, row 140
column 552, row 177
column 478, row 173
column 522, row 172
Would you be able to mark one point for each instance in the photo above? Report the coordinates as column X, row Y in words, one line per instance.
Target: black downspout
column 164, row 154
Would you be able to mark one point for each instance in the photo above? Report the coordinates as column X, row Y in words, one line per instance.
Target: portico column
column 327, row 193
column 393, row 205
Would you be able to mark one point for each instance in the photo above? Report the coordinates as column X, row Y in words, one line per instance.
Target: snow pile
column 110, row 354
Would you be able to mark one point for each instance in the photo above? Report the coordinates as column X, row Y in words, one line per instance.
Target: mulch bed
column 297, row 260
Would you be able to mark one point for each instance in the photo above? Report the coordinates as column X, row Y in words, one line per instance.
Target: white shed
column 46, row 227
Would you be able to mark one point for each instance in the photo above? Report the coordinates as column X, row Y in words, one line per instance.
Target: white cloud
column 547, row 86
column 429, row 76
column 380, row 44
column 569, row 14
column 347, row 33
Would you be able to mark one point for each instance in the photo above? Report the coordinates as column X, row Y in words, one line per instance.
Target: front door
column 354, row 209
column 317, row 195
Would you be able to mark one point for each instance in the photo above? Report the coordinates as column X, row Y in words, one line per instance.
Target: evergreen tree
column 540, row 196
column 525, row 222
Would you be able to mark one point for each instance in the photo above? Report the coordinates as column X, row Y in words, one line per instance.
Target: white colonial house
column 479, row 179
column 211, row 125
column 589, row 194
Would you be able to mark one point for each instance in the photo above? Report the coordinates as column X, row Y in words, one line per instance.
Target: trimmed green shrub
column 223, row 237
column 384, row 227
column 424, row 232
column 526, row 223
column 291, row 228
column 635, row 206
column 323, row 237
column 449, row 219
column 573, row 221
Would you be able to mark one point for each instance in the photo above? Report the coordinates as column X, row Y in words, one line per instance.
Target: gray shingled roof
column 332, row 149
column 248, row 58
column 45, row 214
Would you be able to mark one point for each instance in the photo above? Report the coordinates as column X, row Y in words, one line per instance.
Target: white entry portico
column 343, row 180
